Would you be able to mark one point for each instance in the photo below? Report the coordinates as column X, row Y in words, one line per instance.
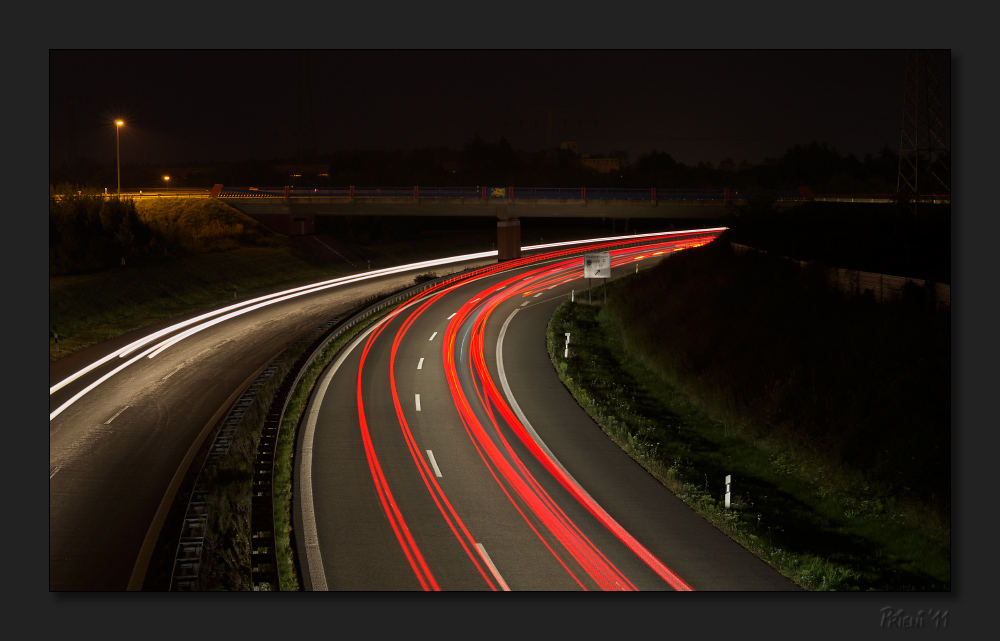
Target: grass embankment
column 201, row 249
column 873, row 237
column 831, row 414
column 228, row 484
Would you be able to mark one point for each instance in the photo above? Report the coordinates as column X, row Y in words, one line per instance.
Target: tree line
column 480, row 162
column 89, row 233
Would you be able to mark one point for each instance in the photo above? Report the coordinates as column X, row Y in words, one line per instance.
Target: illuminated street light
column 118, row 154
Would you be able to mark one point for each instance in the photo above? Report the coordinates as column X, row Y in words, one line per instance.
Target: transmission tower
column 923, row 152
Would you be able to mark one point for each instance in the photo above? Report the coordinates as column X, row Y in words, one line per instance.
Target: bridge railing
column 543, row 192
column 383, row 192
column 513, row 192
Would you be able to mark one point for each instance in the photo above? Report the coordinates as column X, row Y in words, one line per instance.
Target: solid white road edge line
column 517, row 409
column 437, row 471
column 493, row 568
column 314, row 561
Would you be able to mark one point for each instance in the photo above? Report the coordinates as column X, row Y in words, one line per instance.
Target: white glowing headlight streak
column 269, row 299
column 80, row 394
column 628, row 237
column 125, row 351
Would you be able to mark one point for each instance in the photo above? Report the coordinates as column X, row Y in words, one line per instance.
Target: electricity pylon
column 923, row 149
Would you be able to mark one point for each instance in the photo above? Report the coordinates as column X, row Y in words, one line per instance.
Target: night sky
column 189, row 106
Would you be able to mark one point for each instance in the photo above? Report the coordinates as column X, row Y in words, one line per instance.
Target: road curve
column 442, row 452
column 115, row 450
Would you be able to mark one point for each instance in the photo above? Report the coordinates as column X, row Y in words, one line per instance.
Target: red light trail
column 561, row 536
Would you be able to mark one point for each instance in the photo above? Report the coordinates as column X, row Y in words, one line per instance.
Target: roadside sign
column 597, row 265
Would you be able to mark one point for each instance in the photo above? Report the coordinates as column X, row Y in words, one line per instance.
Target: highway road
column 441, row 452
column 117, row 451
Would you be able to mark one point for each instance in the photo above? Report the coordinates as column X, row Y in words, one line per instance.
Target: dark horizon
column 186, row 107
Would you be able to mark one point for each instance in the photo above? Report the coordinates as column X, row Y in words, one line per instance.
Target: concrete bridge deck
column 294, row 213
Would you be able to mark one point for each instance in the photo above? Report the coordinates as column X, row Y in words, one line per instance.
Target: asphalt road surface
column 117, row 452
column 441, row 451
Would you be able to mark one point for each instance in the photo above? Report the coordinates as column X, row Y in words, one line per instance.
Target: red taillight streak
column 655, row 564
column 476, row 435
column 581, row 550
column 579, row 541
column 410, row 549
column 403, row 535
column 503, row 488
column 429, row 481
column 485, row 444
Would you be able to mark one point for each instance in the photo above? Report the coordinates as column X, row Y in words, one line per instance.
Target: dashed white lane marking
column 432, row 336
column 418, row 402
column 437, row 472
column 493, row 568
column 56, row 469
column 539, row 294
column 420, row 365
column 525, row 303
column 452, row 315
column 108, row 422
column 179, row 368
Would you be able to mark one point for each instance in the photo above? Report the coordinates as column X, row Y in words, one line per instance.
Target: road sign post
column 596, row 265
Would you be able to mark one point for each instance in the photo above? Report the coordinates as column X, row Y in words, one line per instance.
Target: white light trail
column 273, row 298
column 201, row 322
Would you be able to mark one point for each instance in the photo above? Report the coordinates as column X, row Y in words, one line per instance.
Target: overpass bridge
column 294, row 211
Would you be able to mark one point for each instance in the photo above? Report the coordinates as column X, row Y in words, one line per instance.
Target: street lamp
column 118, row 154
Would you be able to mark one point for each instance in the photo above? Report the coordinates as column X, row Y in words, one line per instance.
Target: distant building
column 601, row 163
column 569, row 145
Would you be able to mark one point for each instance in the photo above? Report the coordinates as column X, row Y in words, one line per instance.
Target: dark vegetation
column 887, row 239
column 89, row 233
column 481, row 162
column 831, row 411
column 816, row 520
column 769, row 347
column 194, row 254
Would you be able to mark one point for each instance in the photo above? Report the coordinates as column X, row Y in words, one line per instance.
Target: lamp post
column 118, row 154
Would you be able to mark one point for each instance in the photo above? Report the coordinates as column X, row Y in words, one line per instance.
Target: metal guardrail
column 187, row 558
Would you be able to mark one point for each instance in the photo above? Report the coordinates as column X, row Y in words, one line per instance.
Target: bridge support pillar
column 508, row 239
